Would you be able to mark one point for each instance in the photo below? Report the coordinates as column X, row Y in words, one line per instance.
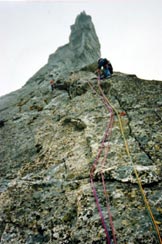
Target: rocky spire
column 83, row 39
column 83, row 47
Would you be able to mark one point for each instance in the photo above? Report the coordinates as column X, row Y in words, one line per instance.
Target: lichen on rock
column 50, row 141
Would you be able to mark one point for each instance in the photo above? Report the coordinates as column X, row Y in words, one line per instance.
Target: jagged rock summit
column 83, row 49
column 49, row 142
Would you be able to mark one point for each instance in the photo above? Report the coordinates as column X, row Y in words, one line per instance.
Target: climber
column 105, row 68
column 52, row 83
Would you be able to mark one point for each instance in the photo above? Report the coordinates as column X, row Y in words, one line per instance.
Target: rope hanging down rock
column 107, row 134
column 105, row 138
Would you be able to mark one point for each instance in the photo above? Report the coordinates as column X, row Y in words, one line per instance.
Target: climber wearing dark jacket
column 104, row 68
column 52, row 83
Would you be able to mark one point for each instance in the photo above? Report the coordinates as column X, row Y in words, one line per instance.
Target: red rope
column 103, row 162
column 96, row 161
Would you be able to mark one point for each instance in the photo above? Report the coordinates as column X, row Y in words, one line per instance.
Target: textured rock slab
column 46, row 156
column 49, row 142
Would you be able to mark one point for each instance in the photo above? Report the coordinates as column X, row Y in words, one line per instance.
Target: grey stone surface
column 49, row 142
column 83, row 49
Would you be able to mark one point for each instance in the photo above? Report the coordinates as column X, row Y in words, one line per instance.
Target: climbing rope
column 96, row 161
column 153, row 221
column 138, row 179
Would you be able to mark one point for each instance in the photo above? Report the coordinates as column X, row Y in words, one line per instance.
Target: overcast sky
column 130, row 34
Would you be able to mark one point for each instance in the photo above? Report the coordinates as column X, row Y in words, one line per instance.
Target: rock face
column 83, row 49
column 49, row 142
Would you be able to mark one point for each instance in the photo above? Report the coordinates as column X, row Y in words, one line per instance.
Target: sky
column 129, row 31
